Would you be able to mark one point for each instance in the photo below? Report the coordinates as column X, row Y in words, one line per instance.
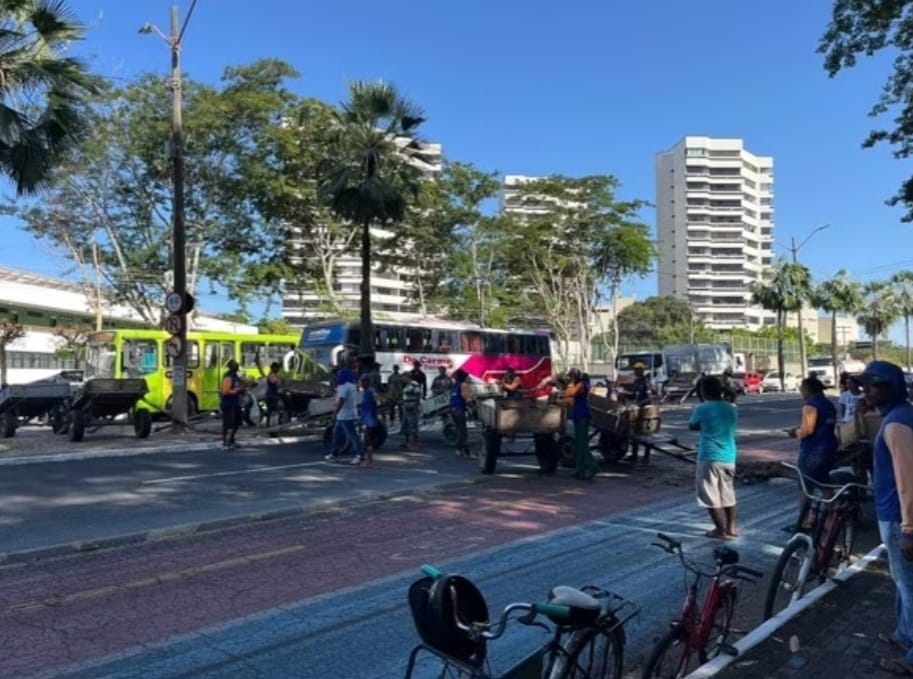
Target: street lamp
column 803, row 360
column 178, row 301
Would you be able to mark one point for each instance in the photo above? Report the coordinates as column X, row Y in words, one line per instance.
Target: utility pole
column 99, row 318
column 803, row 359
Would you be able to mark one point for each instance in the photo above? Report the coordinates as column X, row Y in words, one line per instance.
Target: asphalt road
column 53, row 503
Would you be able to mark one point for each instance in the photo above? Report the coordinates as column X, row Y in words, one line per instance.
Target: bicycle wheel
column 592, row 654
column 784, row 583
column 844, row 540
column 721, row 625
column 672, row 657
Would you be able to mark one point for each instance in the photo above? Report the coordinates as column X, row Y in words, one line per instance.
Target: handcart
column 102, row 402
column 533, row 426
column 21, row 403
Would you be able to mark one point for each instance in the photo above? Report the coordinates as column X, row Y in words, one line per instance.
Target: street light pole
column 803, row 359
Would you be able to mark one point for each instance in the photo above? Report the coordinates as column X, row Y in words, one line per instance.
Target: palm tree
column 787, row 286
column 838, row 295
column 879, row 310
column 372, row 177
column 903, row 294
column 41, row 92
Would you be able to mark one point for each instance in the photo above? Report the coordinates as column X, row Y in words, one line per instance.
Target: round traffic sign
column 174, row 324
column 173, row 347
column 173, row 302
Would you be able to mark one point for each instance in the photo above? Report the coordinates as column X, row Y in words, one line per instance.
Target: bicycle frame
column 698, row 621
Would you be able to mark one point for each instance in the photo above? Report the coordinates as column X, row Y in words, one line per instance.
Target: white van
column 654, row 368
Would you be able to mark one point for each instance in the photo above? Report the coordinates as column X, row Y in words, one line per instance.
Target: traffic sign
column 173, row 302
column 174, row 324
column 173, row 346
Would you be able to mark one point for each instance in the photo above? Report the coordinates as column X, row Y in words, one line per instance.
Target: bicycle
column 587, row 633
column 702, row 629
column 829, row 546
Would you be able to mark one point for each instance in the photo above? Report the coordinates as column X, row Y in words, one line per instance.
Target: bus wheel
column 142, row 423
column 546, row 453
column 566, row 451
column 78, row 426
column 491, row 448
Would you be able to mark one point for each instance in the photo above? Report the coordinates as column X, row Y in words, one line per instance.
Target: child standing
column 369, row 420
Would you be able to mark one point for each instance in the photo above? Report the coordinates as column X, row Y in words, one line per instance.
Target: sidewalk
column 835, row 638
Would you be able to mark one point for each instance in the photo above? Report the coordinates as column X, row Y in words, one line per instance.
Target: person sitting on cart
column 511, row 384
column 642, row 388
column 441, row 383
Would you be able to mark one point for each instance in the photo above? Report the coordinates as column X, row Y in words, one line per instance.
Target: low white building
column 44, row 306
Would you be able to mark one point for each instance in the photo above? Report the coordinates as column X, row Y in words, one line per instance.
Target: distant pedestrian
column 230, row 394
column 395, row 394
column 420, row 378
column 576, row 394
column 369, row 420
column 344, row 427
column 271, row 398
column 511, row 384
column 886, row 390
column 291, row 362
column 442, row 383
column 850, row 399
column 716, row 421
column 412, row 404
column 460, row 396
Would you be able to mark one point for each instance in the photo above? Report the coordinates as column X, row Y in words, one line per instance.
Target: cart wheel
column 8, row 424
column 566, row 452
column 142, row 423
column 612, row 446
column 491, row 448
column 59, row 421
column 448, row 429
column 328, row 441
column 546, row 453
column 78, row 426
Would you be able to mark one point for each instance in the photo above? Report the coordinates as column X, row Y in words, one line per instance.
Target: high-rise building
column 391, row 286
column 714, row 209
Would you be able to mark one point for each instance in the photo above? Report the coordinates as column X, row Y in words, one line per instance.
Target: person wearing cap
column 641, row 389
column 886, row 390
column 230, row 393
column 576, row 394
column 344, row 426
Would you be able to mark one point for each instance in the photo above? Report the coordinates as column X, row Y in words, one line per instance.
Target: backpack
column 432, row 603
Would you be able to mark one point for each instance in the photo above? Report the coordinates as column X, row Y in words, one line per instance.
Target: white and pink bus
column 485, row 354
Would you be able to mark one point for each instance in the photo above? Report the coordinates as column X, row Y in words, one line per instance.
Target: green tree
column 275, row 326
column 369, row 179
column 902, row 282
column 10, row 331
column 73, row 343
column 865, row 28
column 838, row 295
column 661, row 320
column 114, row 191
column 43, row 92
column 786, row 288
column 878, row 311
column 578, row 239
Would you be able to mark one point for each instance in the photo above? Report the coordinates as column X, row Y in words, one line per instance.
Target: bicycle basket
column 432, row 604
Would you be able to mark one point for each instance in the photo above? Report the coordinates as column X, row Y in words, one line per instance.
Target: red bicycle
column 702, row 629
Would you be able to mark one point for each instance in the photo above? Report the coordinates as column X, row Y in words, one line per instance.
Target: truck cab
column 654, row 368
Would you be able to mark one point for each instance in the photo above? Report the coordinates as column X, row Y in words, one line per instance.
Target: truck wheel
column 8, row 425
column 78, row 426
column 491, row 448
column 546, row 453
column 566, row 452
column 142, row 424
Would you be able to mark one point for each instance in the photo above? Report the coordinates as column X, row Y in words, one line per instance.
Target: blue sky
column 573, row 87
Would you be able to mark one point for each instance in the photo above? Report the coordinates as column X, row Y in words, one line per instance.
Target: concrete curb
column 768, row 627
column 186, row 530
column 93, row 453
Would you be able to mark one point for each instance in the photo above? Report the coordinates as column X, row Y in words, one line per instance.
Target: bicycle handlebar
column 739, row 572
column 841, row 489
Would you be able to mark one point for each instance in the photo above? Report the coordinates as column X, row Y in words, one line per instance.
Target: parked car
column 771, row 381
column 748, row 382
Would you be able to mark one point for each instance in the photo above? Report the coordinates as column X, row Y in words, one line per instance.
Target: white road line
column 240, row 471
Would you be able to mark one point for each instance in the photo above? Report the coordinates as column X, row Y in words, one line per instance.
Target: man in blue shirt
column 716, row 420
column 886, row 390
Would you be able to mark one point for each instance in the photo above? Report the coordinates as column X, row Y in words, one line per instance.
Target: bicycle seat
column 725, row 556
column 842, row 476
column 585, row 609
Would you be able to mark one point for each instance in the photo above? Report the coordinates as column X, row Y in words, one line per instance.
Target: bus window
column 193, row 356
column 275, row 353
column 226, row 353
column 394, row 338
column 415, row 339
column 494, row 343
column 446, row 341
column 140, row 357
column 471, row 342
column 212, row 355
column 515, row 344
column 251, row 352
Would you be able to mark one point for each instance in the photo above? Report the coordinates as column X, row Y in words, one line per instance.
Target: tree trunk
column 366, row 342
column 874, row 337
column 781, row 358
column 3, row 364
column 834, row 347
column 906, row 327
column 615, row 286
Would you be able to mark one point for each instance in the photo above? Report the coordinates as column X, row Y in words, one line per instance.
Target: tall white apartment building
column 714, row 208
column 390, row 287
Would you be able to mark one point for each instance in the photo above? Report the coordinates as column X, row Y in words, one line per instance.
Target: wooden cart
column 20, row 403
column 619, row 428
column 540, row 424
column 100, row 402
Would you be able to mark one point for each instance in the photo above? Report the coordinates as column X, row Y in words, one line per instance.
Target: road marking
column 152, row 580
column 240, row 471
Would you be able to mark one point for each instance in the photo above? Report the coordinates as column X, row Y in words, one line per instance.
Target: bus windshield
column 324, row 343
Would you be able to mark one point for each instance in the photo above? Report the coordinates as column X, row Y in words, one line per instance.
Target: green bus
column 141, row 353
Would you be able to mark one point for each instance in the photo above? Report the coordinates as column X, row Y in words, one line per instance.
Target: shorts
column 715, row 484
